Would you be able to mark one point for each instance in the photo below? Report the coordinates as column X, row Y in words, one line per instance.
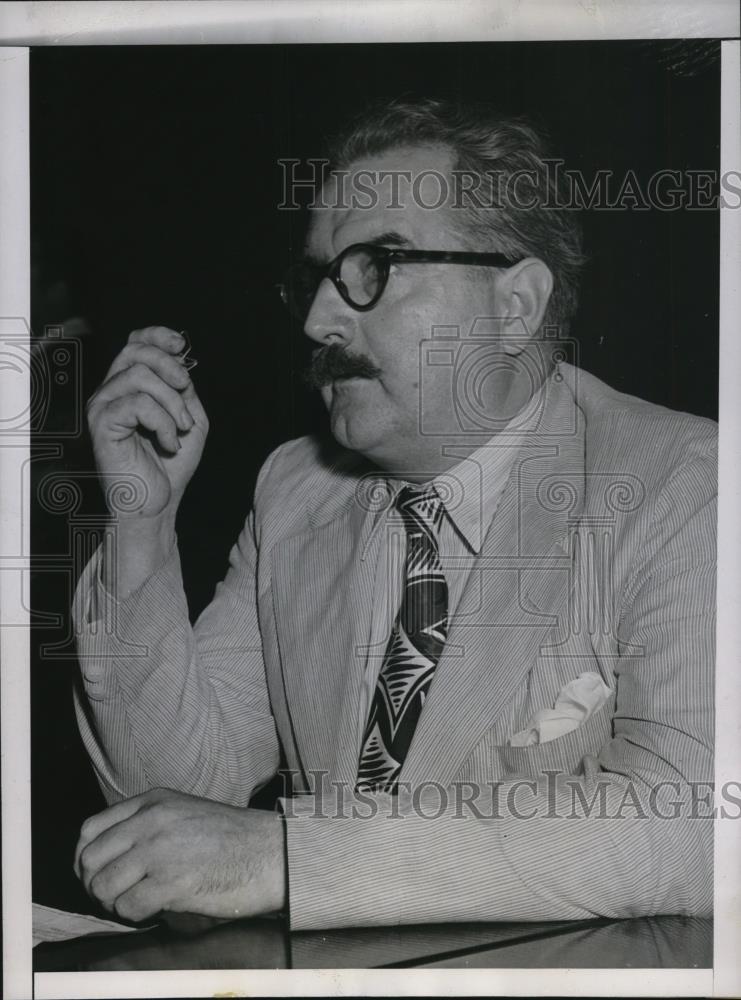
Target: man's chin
column 353, row 430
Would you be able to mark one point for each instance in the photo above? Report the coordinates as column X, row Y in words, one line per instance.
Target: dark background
column 154, row 200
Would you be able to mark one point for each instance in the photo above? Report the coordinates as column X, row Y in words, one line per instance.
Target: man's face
column 380, row 416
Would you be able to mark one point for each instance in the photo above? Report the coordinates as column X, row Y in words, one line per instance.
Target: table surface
column 201, row 943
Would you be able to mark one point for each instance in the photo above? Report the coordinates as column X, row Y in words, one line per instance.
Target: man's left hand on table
column 164, row 850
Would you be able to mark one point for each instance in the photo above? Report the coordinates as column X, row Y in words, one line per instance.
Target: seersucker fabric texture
column 600, row 557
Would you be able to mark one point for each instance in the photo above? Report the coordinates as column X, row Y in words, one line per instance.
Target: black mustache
column 334, row 362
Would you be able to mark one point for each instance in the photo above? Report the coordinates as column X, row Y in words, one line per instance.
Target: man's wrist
column 139, row 547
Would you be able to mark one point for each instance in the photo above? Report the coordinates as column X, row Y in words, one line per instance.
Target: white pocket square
column 576, row 702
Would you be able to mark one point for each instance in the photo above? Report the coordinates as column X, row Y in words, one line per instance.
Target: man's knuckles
column 139, row 902
column 89, row 864
column 158, row 799
column 89, row 831
column 89, row 828
column 154, row 795
column 133, row 909
column 154, row 358
column 102, row 887
column 159, row 336
column 138, row 374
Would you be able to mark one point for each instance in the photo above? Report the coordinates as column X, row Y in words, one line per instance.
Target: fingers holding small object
column 167, row 366
column 187, row 362
column 145, row 344
column 185, row 349
column 149, row 383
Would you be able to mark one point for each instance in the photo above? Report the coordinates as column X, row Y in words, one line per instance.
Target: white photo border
column 25, row 24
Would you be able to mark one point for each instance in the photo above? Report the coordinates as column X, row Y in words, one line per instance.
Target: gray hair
column 496, row 149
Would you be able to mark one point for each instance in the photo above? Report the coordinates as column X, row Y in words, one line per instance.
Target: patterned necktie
column 414, row 646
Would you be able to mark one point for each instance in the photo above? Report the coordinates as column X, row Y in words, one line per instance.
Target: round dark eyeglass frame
column 384, row 257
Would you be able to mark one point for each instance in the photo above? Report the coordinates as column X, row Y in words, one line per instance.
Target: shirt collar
column 471, row 489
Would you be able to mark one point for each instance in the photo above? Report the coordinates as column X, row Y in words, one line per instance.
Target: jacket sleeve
column 630, row 835
column 166, row 704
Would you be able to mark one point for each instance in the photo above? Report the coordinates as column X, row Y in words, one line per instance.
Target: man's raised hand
column 147, row 423
column 148, row 430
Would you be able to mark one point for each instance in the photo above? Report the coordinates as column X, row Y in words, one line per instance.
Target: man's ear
column 523, row 292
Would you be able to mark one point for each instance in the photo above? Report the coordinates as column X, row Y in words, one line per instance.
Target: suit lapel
column 517, row 592
column 323, row 599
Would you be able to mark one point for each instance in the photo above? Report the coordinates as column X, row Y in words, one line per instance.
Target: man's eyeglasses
column 361, row 271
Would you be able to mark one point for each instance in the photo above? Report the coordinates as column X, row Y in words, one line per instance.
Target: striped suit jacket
column 601, row 558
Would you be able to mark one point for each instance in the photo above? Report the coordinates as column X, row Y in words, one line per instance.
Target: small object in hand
column 188, row 363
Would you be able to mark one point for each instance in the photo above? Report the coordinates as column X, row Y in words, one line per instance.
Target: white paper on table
column 50, row 924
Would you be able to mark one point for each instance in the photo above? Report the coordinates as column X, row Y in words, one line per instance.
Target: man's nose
column 330, row 319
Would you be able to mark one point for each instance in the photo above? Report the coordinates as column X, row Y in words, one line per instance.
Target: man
column 478, row 626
